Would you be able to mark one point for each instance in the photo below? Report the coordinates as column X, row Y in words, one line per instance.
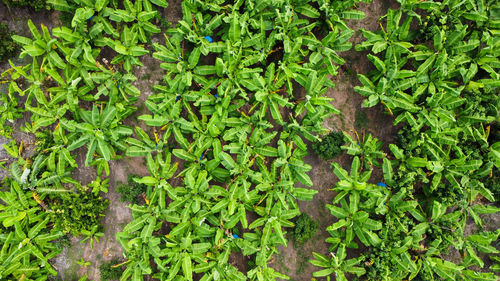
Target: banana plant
column 185, row 65
column 368, row 148
column 127, row 48
column 40, row 176
column 355, row 181
column 88, row 12
column 42, row 45
column 353, row 221
column 140, row 11
column 78, row 49
column 118, row 87
column 337, row 264
column 101, row 132
column 144, row 145
column 269, row 93
column 26, row 237
column 59, row 159
column 10, row 112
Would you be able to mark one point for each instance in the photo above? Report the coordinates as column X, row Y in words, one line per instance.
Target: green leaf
column 353, row 15
column 55, row 59
column 324, row 272
column 90, row 151
column 194, row 57
column 161, row 3
column 104, row 149
column 337, row 212
column 154, row 121
column 184, row 155
column 417, row 162
column 79, row 142
column 388, row 172
column 379, row 64
column 304, row 193
column 147, row 181
column 234, row 28
column 424, row 68
column 187, row 267
column 227, row 161
column 267, row 151
column 33, row 51
column 108, row 116
column 303, row 178
column 308, row 11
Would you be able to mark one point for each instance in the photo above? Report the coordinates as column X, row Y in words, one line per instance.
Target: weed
column 7, row 46
column 108, row 272
column 305, row 228
column 329, row 147
column 35, row 4
column 131, row 191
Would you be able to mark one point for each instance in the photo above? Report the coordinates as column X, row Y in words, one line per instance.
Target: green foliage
column 244, row 91
column 132, row 190
column 367, row 148
column 305, row 228
column 329, row 146
column 9, row 112
column 37, row 5
column 78, row 212
column 101, row 132
column 444, row 95
column 7, row 46
column 238, row 124
column 108, row 272
column 25, row 235
column 83, row 263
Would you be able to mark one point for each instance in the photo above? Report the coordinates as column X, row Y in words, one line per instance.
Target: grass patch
column 109, row 273
column 361, row 121
column 329, row 147
column 305, row 228
column 131, row 191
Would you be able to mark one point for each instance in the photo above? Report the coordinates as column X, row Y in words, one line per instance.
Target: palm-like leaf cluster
column 244, row 89
column 441, row 82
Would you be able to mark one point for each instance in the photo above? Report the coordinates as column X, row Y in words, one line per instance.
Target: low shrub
column 109, row 273
column 7, row 45
column 329, row 147
column 305, row 228
column 131, row 191
column 79, row 211
column 35, row 4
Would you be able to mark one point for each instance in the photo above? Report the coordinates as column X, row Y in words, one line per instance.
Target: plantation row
column 441, row 81
column 227, row 130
